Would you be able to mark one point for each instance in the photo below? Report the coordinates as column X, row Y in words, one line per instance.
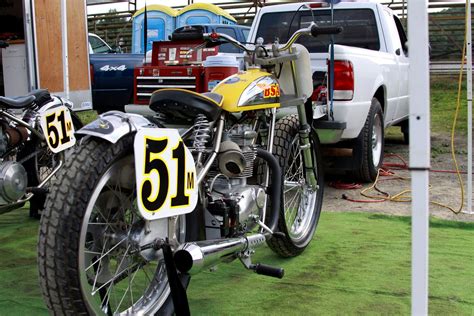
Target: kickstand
column 176, row 282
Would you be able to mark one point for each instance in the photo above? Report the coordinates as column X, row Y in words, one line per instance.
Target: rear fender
column 113, row 125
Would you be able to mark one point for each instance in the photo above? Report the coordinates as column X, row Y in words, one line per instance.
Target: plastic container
column 217, row 68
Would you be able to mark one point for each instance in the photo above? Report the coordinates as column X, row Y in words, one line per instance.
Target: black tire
column 39, row 166
column 368, row 148
column 66, row 220
column 404, row 126
column 285, row 146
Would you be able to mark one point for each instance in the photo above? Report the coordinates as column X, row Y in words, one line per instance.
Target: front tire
column 368, row 147
column 87, row 249
column 301, row 207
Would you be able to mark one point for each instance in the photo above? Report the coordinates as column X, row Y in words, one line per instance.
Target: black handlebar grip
column 320, row 30
column 269, row 270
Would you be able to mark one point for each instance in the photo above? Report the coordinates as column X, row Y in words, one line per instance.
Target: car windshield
column 98, row 46
column 360, row 28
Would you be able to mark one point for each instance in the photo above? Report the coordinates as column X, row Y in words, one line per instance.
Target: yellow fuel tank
column 254, row 89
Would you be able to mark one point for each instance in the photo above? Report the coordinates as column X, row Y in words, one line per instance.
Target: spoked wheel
column 106, row 264
column 301, row 206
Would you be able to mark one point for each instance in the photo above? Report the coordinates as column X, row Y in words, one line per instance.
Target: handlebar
column 313, row 29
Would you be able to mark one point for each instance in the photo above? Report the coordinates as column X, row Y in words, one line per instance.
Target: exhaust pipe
column 194, row 257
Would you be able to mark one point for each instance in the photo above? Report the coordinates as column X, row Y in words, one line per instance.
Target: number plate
column 165, row 174
column 58, row 128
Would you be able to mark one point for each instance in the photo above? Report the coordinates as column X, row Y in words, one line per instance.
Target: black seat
column 42, row 96
column 180, row 104
column 17, row 102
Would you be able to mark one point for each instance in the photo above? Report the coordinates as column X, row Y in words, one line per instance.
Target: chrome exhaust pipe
column 194, row 257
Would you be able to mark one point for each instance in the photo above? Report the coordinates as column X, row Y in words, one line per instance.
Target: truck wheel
column 368, row 147
column 406, row 132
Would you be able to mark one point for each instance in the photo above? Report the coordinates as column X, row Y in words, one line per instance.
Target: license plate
column 58, row 128
column 165, row 174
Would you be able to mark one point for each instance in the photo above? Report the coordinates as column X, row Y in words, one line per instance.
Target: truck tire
column 297, row 221
column 405, row 131
column 368, row 147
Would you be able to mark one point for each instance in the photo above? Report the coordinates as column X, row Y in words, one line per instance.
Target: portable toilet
column 160, row 23
column 203, row 13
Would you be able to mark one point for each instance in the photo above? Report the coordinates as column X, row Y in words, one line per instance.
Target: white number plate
column 58, row 128
column 165, row 174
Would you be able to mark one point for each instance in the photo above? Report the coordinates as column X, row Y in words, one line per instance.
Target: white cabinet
column 15, row 72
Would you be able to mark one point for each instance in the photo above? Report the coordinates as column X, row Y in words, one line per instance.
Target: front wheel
column 301, row 205
column 91, row 251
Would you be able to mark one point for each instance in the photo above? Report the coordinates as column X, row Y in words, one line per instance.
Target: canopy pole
column 469, row 108
column 65, row 48
column 419, row 124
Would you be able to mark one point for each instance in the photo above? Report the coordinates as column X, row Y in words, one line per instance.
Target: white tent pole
column 65, row 48
column 469, row 109
column 419, row 125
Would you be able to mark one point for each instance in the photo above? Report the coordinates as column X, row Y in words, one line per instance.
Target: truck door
column 402, row 109
column 392, row 78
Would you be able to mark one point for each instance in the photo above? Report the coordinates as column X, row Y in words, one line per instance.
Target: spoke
column 109, row 251
column 126, row 290
column 100, row 264
column 117, row 274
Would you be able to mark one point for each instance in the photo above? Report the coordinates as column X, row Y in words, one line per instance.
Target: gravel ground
column 444, row 186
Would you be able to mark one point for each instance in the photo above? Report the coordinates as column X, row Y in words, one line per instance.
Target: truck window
column 401, row 33
column 360, row 28
column 98, row 46
column 228, row 48
column 246, row 32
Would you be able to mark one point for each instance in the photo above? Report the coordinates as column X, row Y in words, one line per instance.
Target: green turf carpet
column 358, row 263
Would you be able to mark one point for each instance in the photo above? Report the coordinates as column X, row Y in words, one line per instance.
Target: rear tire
column 90, row 211
column 298, row 220
column 368, row 148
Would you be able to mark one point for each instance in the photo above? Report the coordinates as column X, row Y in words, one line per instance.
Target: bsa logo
column 272, row 91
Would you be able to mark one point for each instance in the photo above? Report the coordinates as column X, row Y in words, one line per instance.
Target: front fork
column 305, row 146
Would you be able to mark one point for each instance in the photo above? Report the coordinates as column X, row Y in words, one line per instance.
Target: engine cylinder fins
column 13, row 181
column 16, row 135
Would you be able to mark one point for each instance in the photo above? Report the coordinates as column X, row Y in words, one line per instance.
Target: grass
column 358, row 263
column 443, row 93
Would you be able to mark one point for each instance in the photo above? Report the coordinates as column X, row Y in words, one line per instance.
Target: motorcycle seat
column 185, row 104
column 17, row 102
column 42, row 96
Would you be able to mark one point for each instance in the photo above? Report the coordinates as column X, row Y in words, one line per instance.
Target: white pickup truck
column 370, row 76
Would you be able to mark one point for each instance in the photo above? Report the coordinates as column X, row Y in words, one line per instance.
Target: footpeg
column 264, row 269
column 36, row 190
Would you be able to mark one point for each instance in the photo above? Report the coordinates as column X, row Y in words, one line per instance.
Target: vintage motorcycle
column 34, row 132
column 145, row 202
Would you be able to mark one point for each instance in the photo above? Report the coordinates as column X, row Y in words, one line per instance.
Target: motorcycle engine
column 234, row 203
